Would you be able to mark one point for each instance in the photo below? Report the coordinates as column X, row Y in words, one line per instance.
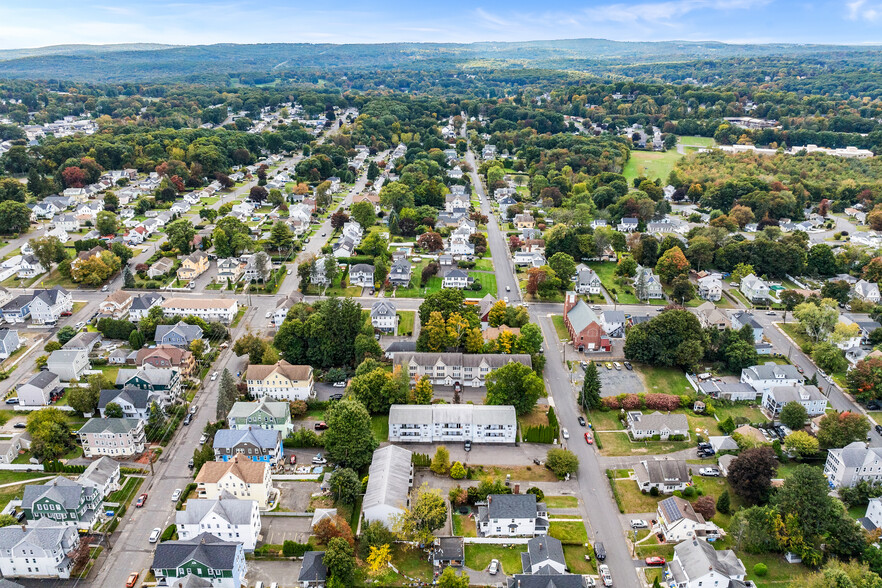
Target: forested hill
column 119, row 63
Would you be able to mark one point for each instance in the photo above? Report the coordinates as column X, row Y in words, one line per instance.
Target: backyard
column 664, row 380
column 616, row 286
column 478, row 556
column 619, row 444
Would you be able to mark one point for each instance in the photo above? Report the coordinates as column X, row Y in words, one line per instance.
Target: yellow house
column 524, row 221
column 193, row 266
column 282, row 381
column 241, row 477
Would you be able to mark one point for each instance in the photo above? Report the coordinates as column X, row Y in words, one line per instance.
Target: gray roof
column 361, row 268
column 205, row 548
column 511, row 506
column 62, row 490
column 313, row 568
column 50, row 296
column 228, row 508
column 773, row 371
column 493, row 360
column 18, row 302
column 145, row 301
column 4, row 333
column 401, row 347
column 723, row 443
column 137, row 397
column 42, row 379
column 100, row 470
column 698, row 557
column 457, row 273
column 675, row 509
column 581, row 315
column 246, row 409
column 117, row 426
column 66, row 356
column 230, row 438
column 746, row 318
column 382, row 308
column 613, row 316
column 449, row 548
column 854, row 454
column 451, row 413
column 153, row 375
column 541, row 549
column 83, row 340
column 187, row 331
column 389, row 478
column 45, row 536
column 663, row 471
column 543, row 581
column 797, row 393
column 657, row 421
column 191, row 581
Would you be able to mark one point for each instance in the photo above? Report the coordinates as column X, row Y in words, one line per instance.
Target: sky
column 38, row 23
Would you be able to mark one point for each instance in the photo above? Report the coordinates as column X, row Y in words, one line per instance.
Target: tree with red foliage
column 258, row 194
column 338, row 219
column 671, row 264
column 865, row 379
column 751, row 474
column 430, row 241
column 73, row 177
column 824, row 207
column 178, row 183
column 656, row 401
column 706, row 506
column 224, row 180
column 479, row 218
column 329, row 528
column 514, row 243
column 535, row 277
column 873, row 270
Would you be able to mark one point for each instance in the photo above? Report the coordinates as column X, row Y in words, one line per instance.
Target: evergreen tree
column 723, row 503
column 128, row 278
column 589, row 399
column 226, row 395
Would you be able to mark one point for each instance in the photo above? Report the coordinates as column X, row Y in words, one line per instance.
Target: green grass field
column 569, row 532
column 405, row 321
column 665, row 380
column 697, row 141
column 614, row 284
column 618, row 444
column 478, row 557
column 561, row 502
column 650, row 164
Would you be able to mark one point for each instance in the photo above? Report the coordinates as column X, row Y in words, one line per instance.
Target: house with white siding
column 512, row 515
column 436, row 423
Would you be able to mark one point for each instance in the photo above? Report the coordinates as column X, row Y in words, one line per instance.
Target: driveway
column 283, row 571
column 296, row 495
column 277, row 530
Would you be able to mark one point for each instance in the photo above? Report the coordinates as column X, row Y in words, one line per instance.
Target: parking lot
column 614, row 382
column 278, row 529
column 295, row 496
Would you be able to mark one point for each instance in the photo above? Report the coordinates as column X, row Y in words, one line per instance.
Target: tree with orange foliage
column 671, row 264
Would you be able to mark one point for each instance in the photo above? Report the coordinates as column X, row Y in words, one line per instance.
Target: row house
column 440, row 423
column 208, row 309
column 447, row 369
column 281, row 381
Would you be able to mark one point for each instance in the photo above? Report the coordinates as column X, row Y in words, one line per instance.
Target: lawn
column 561, row 502
column 464, row 526
column 380, row 427
column 697, row 141
column 633, row 500
column 560, row 327
column 605, row 420
column 128, row 491
column 9, row 477
column 780, row 572
column 517, row 473
column 654, row 549
column 574, row 555
column 569, row 532
column 618, row 444
column 664, row 380
column 405, row 321
column 650, row 164
column 740, row 297
column 792, row 330
column 488, row 285
column 740, row 411
column 409, row 562
column 624, row 290
column 109, row 371
column 484, row 264
column 478, row 556
column 537, row 416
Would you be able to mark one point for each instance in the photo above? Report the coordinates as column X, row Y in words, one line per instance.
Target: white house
column 40, row 551
column 452, row 422
column 512, row 515
column 48, row 305
column 447, row 369
column 846, row 466
column 226, row 517
column 241, row 477
column 645, row 426
column 38, row 390
column 383, row 316
column 361, row 274
column 68, row 364
column 755, row 290
column 9, row 342
column 210, row 309
column 587, row 282
column 627, row 225
column 710, row 288
column 678, row 521
column 119, row 437
column 457, row 278
column 874, row 512
column 867, row 291
column 697, row 564
column 667, row 475
column 814, row 402
column 103, row 474
column 767, row 376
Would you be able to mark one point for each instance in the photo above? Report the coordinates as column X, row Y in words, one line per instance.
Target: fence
column 22, row 467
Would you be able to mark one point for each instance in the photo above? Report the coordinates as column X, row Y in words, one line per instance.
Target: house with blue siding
column 179, row 335
column 255, row 444
column 18, row 309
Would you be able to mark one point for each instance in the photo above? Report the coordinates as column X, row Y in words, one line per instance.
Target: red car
column 141, row 500
column 133, row 579
column 655, row 561
column 589, row 439
column 293, row 460
column 321, row 426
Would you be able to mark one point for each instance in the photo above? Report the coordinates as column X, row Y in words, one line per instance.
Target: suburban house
column 770, row 375
column 281, row 381
column 448, row 551
column 30, row 267
column 361, row 274
column 755, row 290
column 84, row 340
column 48, row 305
column 512, row 515
column 678, row 521
column 209, row 309
column 9, row 449
column 627, row 225
column 226, row 517
column 874, row 515
column 116, row 305
column 38, row 390
column 584, row 326
column 160, row 267
column 41, row 550
column 241, row 477
column 399, row 273
column 262, row 414
column 313, row 571
column 9, row 342
column 203, row 556
column 613, row 323
column 544, row 557
column 134, row 402
column 741, row 319
column 254, row 444
column 808, row 396
column 117, row 437
column 665, row 426
column 587, row 282
column 447, row 369
column 103, row 474
column 258, row 267
column 18, row 309
column 167, row 357
column 846, row 466
column 193, row 266
column 711, row 316
column 383, row 316
column 284, row 305
column 667, row 475
column 68, row 364
column 867, row 291
column 179, row 335
column 710, row 288
column 436, row 423
column 457, row 278
column 62, row 501
column 166, row 382
column 229, row 270
column 697, row 564
column 647, row 286
column 390, row 477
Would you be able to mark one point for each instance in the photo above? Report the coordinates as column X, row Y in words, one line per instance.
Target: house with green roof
column 220, row 562
column 261, row 414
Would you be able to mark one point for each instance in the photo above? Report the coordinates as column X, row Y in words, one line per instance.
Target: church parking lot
column 615, row 382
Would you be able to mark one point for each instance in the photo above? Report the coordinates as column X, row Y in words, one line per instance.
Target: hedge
column 58, row 467
column 540, row 434
column 421, row 460
column 169, row 533
column 190, row 487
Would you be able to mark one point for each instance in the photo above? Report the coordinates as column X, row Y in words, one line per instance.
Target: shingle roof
column 62, row 490
column 99, row 471
column 657, row 421
column 313, row 568
column 663, row 471
column 232, row 510
column 205, row 548
column 246, row 409
column 137, row 397
column 250, row 472
column 581, row 315
column 675, row 509
column 145, row 301
column 42, row 379
column 545, row 548
column 697, row 557
column 185, row 330
column 511, row 506
column 292, row 372
column 230, row 438
column 117, row 426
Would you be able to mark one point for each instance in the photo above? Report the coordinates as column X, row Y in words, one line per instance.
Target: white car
column 639, row 524
column 603, row 570
column 319, row 459
column 203, row 439
column 494, row 567
column 176, row 494
column 565, row 433
column 269, row 313
column 709, row 472
column 154, row 535
column 214, row 376
column 339, row 384
column 506, row 299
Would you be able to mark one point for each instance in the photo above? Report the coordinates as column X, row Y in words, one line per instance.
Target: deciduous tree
column 514, row 384
column 750, row 474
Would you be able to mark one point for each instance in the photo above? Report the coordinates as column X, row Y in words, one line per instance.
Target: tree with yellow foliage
column 379, row 558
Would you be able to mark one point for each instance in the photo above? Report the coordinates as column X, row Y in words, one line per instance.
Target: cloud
column 861, row 10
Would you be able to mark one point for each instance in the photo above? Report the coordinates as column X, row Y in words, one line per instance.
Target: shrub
column 677, row 438
column 457, row 472
column 630, row 401
column 653, row 491
column 656, row 401
column 169, row 533
column 540, row 495
column 689, row 492
column 760, row 569
column 611, row 402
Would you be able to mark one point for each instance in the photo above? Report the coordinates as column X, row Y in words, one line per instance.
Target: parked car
column 214, row 376
column 879, row 429
column 203, row 439
column 20, row 425
column 141, row 500
column 873, row 405
column 193, row 409
column 190, row 463
column 603, row 570
column 176, row 494
column 154, row 535
column 628, row 366
column 655, row 561
column 618, row 366
column 564, row 433
column 339, row 384
column 188, row 419
column 599, row 551
column 494, row 567
column 608, row 365
column 335, row 397
column 639, row 524
column 508, row 288
column 133, row 579
column 709, row 472
column 581, row 420
column 104, row 288
column 12, row 401
column 320, row 426
column 292, row 460
column 467, row 445
column 269, row 313
column 319, row 459
column 589, row 439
